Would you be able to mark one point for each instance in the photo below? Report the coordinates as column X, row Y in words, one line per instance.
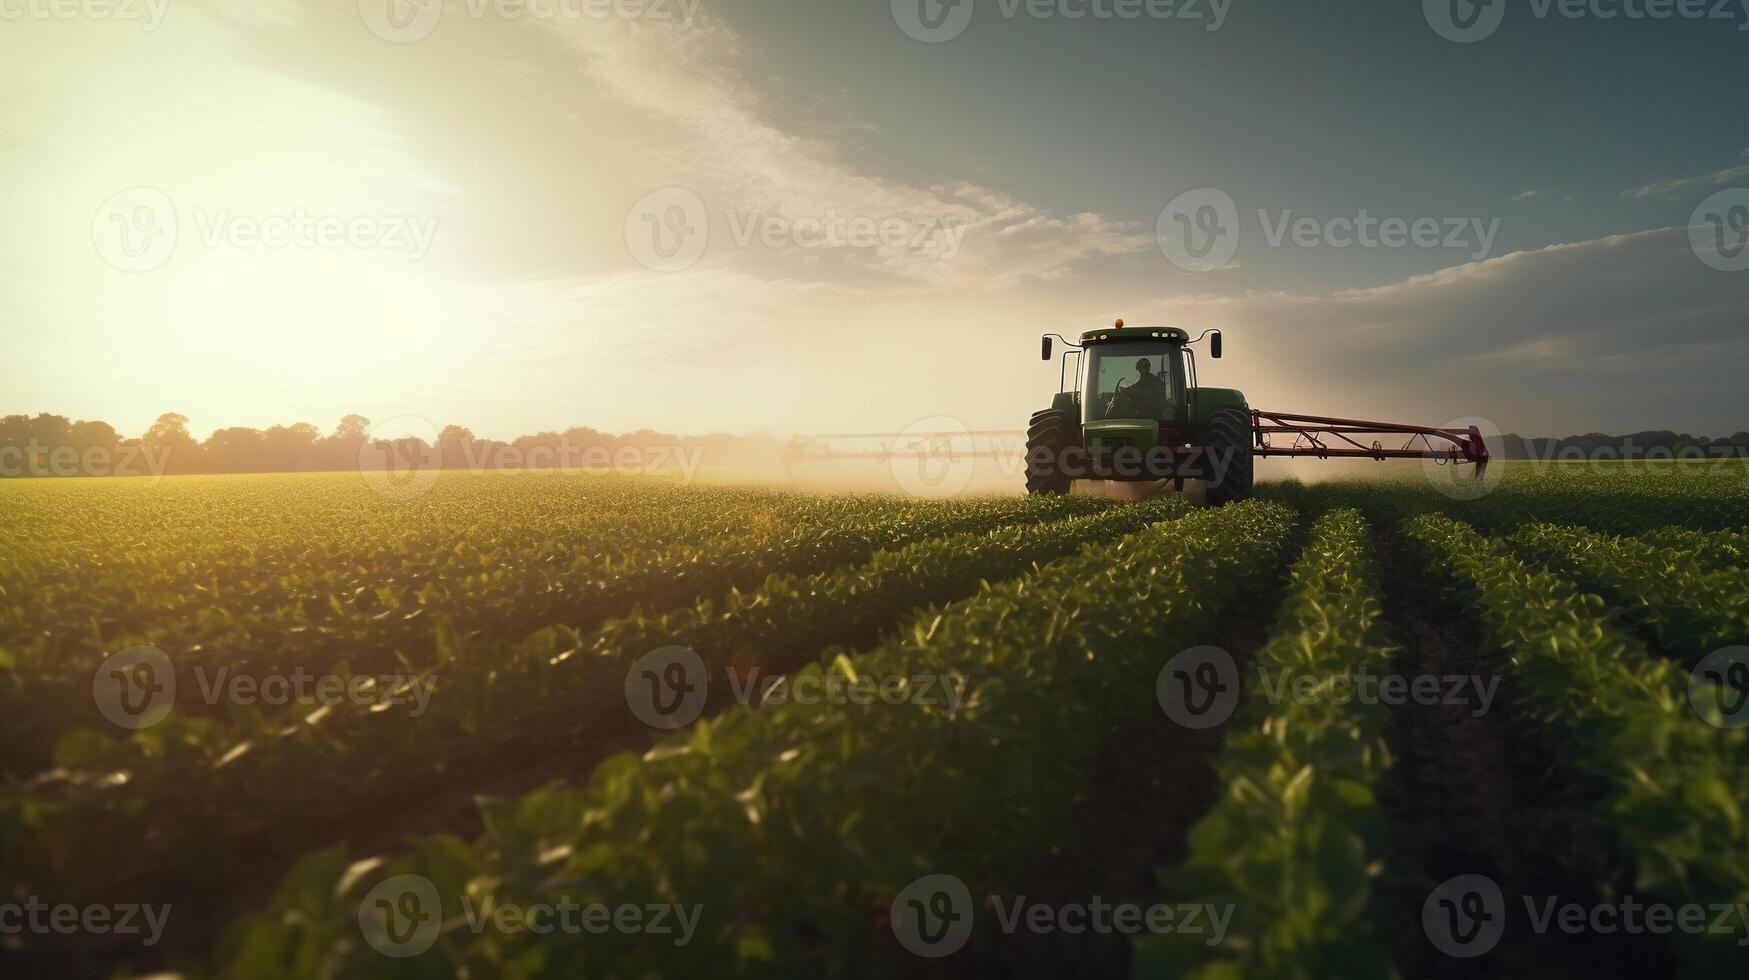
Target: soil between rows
column 1484, row 794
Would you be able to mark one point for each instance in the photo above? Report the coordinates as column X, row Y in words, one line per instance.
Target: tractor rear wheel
column 1229, row 445
column 1048, row 439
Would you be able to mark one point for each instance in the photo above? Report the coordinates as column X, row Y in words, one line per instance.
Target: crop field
column 559, row 725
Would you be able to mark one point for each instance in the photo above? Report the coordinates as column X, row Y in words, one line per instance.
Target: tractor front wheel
column 1048, row 440
column 1229, row 445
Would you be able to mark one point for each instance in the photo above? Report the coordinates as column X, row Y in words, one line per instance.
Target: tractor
column 1137, row 413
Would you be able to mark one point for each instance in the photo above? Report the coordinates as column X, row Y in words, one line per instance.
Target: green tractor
column 1136, row 413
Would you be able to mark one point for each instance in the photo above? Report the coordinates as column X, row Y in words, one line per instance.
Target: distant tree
column 455, row 446
column 290, row 448
column 168, row 438
column 235, row 450
column 340, row 451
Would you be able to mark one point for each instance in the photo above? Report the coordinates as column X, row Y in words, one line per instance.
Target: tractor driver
column 1149, row 393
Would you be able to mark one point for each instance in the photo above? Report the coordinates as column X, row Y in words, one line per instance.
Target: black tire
column 1048, row 440
column 1229, row 442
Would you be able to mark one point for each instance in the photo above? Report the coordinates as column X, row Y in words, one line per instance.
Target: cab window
column 1129, row 381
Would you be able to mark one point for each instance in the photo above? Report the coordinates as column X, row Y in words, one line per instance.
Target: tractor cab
column 1139, row 377
column 1135, row 413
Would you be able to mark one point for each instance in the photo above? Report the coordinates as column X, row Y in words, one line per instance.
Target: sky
column 776, row 216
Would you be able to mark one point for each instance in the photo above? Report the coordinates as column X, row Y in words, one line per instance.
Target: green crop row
column 1715, row 549
column 491, row 701
column 1297, row 840
column 344, row 580
column 1674, row 783
column 1689, row 608
column 792, row 827
column 1615, row 499
column 403, row 629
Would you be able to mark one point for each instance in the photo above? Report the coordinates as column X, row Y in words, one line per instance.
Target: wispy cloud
column 1525, row 196
column 1717, row 177
column 1628, row 331
column 728, row 148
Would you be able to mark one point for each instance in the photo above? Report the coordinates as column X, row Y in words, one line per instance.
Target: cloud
column 1717, row 177
column 1630, row 331
column 1525, row 196
column 726, row 147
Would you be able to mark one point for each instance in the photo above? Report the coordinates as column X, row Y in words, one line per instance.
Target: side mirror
column 1045, row 350
column 1215, row 345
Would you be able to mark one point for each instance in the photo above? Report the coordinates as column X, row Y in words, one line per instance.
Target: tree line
column 53, row 445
